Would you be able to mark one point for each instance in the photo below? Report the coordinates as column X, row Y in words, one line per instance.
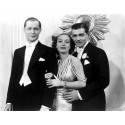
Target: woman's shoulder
column 77, row 64
column 74, row 59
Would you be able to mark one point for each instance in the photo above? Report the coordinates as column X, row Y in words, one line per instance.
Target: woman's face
column 63, row 44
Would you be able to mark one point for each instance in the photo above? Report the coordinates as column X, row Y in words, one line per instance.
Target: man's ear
column 40, row 30
column 24, row 29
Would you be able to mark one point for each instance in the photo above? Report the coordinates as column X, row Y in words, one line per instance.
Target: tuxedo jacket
column 32, row 96
column 96, row 69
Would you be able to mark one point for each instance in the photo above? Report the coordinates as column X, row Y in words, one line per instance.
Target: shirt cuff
column 44, row 108
column 79, row 95
column 8, row 103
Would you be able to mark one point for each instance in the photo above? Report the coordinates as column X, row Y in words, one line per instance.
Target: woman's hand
column 9, row 107
column 54, row 82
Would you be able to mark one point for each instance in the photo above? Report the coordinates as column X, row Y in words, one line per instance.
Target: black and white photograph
column 61, row 59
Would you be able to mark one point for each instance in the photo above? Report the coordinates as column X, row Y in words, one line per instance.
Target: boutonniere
column 84, row 56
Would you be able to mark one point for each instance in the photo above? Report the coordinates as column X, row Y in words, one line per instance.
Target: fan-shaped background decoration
column 97, row 25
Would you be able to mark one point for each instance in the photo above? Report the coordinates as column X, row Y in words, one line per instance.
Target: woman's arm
column 58, row 83
column 77, row 69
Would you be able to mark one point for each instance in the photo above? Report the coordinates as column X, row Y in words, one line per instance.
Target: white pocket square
column 86, row 62
column 41, row 59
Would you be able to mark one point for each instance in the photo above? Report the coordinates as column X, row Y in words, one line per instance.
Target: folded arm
column 77, row 70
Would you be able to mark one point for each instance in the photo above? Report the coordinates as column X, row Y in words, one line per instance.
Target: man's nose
column 32, row 30
column 78, row 38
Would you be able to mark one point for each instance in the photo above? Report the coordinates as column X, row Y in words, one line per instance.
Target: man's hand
column 8, row 107
column 44, row 108
column 48, row 75
column 71, row 96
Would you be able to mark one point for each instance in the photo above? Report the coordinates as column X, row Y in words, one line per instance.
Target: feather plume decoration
column 97, row 25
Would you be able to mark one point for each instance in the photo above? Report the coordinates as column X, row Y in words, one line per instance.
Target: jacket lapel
column 87, row 48
column 21, row 60
column 85, row 51
column 75, row 54
column 22, row 54
column 36, row 54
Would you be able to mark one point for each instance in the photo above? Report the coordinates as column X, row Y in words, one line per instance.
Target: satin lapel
column 85, row 51
column 87, row 48
column 36, row 54
column 75, row 54
column 22, row 54
column 21, row 59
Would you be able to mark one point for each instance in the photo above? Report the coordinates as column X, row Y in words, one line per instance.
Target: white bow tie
column 30, row 46
column 79, row 49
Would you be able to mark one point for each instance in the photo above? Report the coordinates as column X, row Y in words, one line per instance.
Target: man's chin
column 33, row 40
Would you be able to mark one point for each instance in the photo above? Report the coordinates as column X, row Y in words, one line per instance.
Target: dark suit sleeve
column 100, row 78
column 11, row 92
column 49, row 93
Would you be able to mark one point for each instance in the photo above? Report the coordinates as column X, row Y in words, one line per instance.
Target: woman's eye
column 67, row 41
column 59, row 41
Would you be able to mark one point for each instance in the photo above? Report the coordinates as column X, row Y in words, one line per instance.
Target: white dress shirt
column 25, row 80
column 80, row 52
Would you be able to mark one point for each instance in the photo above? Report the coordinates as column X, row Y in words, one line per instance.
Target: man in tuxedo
column 96, row 68
column 27, row 87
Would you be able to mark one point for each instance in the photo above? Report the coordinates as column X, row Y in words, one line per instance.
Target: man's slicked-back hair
column 32, row 19
column 81, row 25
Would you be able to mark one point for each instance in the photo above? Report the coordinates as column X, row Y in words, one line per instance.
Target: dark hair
column 81, row 25
column 54, row 43
column 32, row 19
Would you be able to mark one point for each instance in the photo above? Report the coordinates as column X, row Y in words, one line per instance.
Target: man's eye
column 82, row 35
column 28, row 28
column 36, row 29
column 67, row 42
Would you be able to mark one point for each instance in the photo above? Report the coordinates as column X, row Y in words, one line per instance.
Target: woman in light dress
column 70, row 72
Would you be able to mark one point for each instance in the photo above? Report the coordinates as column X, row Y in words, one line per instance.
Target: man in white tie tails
column 27, row 87
column 96, row 69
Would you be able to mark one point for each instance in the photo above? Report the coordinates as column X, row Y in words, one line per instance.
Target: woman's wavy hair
column 54, row 43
